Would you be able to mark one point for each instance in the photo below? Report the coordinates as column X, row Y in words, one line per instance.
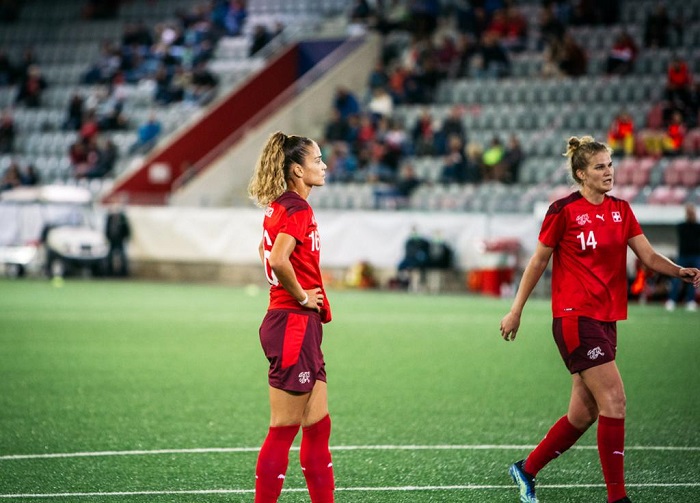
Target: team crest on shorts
column 595, row 353
column 304, row 377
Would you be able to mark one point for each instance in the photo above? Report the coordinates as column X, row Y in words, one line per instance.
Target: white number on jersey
column 587, row 241
column 267, row 250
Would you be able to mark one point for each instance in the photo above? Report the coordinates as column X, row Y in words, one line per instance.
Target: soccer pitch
column 126, row 392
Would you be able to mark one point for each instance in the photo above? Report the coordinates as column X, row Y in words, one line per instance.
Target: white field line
column 471, row 487
column 210, row 450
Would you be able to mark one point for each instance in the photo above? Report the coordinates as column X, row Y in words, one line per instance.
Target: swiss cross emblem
column 616, row 216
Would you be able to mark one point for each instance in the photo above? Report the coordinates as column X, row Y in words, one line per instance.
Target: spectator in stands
column 552, row 30
column 29, row 176
column 261, row 37
column 510, row 27
column 679, row 82
column 622, row 55
column 423, row 134
column 397, row 140
column 378, row 76
column 621, row 133
column 107, row 65
column 342, row 164
column 492, row 166
column 8, row 72
column 78, row 156
column 88, row 158
column 494, row 61
column 101, row 9
column 31, row 88
column 670, row 141
column 107, row 157
column 11, row 178
column 454, row 164
column 467, row 50
column 424, row 18
column 203, row 85
column 688, row 256
column 74, row 114
column 337, row 128
column 90, row 126
column 234, row 19
column 381, row 104
column 407, row 182
column 7, row 133
column 566, row 58
column 346, row 102
column 675, row 134
column 452, row 125
column 28, row 60
column 658, row 26
column 379, row 169
column 147, row 135
column 512, row 159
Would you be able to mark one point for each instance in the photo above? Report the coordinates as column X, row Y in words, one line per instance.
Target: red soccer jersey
column 291, row 214
column 589, row 275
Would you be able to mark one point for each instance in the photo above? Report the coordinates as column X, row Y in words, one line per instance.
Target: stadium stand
column 540, row 111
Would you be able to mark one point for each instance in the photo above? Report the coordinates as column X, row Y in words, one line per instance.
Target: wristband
column 306, row 299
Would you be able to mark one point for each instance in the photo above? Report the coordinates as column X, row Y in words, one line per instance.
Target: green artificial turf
column 428, row 403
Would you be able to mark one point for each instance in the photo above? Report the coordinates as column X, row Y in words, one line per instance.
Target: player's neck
column 303, row 190
column 592, row 196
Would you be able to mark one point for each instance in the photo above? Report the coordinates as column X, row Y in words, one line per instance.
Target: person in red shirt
column 291, row 332
column 621, row 133
column 587, row 234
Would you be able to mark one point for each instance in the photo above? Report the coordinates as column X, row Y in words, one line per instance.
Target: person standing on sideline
column 291, row 332
column 688, row 256
column 588, row 233
column 117, row 231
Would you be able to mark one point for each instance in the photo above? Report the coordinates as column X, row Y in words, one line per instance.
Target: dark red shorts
column 584, row 342
column 291, row 341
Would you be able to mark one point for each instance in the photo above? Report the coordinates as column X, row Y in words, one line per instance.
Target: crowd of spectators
column 171, row 57
column 16, row 175
column 365, row 142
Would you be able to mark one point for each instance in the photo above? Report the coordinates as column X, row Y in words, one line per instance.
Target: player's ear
column 297, row 170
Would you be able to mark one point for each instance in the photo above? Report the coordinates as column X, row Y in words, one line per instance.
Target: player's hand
column 690, row 275
column 509, row 326
column 315, row 299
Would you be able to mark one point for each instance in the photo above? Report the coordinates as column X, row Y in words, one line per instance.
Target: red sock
column 558, row 439
column 611, row 449
column 316, row 461
column 272, row 463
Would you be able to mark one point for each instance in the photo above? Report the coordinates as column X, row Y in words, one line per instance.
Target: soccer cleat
column 623, row 500
column 524, row 481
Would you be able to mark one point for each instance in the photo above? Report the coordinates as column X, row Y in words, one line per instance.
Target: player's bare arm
column 279, row 262
column 655, row 261
column 532, row 274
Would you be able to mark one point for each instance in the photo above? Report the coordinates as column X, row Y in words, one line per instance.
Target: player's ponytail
column 579, row 152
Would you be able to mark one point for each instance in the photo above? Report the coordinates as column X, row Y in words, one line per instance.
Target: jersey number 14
column 587, row 241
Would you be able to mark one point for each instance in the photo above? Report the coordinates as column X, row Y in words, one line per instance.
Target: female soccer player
column 587, row 233
column 290, row 334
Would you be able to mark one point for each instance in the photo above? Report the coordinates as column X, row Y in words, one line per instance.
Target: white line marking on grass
column 210, row 450
column 469, row 487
